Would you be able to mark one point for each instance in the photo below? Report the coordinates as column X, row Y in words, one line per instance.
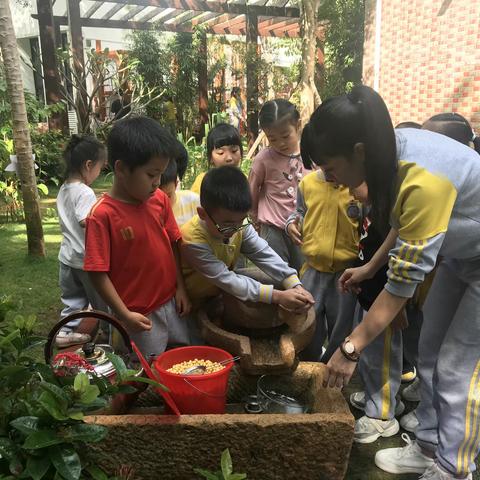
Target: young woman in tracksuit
column 426, row 186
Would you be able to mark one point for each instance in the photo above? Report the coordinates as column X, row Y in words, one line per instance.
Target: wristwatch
column 348, row 350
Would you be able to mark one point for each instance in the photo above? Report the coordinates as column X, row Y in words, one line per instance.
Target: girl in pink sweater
column 274, row 177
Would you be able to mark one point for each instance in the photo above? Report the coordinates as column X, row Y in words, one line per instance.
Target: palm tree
column 21, row 132
column 309, row 96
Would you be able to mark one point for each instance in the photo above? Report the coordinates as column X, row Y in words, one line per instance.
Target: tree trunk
column 309, row 96
column 21, row 132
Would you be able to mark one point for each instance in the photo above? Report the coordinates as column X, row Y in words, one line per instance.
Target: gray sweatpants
column 167, row 329
column 283, row 245
column 78, row 293
column 381, row 362
column 449, row 367
column 334, row 313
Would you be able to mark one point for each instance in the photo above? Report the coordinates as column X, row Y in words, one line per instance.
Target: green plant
column 343, row 46
column 37, row 111
column 42, row 435
column 153, row 65
column 11, row 206
column 197, row 159
column 48, row 149
column 225, row 472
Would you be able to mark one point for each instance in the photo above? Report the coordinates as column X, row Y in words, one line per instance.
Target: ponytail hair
column 80, row 149
column 455, row 126
column 278, row 110
column 339, row 123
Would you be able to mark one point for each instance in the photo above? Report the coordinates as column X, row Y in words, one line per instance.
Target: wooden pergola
column 249, row 18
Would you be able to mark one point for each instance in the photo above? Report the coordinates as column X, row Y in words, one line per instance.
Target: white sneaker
column 67, row 338
column 408, row 459
column 412, row 392
column 367, row 429
column 409, row 422
column 357, row 400
column 436, row 472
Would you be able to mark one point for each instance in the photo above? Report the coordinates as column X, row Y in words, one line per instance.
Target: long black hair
column 455, row 126
column 339, row 123
column 80, row 149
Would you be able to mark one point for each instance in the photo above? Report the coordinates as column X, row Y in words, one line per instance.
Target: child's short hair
column 225, row 187
column 455, row 126
column 136, row 140
column 221, row 135
column 278, row 110
column 170, row 174
column 408, row 125
column 79, row 149
column 181, row 159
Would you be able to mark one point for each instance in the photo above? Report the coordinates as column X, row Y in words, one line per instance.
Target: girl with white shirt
column 84, row 158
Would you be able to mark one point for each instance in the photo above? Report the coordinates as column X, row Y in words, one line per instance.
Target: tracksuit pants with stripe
column 381, row 362
column 334, row 314
column 449, row 367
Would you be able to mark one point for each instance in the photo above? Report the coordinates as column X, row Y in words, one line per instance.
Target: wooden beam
column 167, row 16
column 184, row 17
column 113, row 11
column 76, row 39
column 215, row 6
column 252, row 75
column 93, row 9
column 130, row 14
column 232, row 23
column 217, row 20
column 156, row 25
column 152, row 14
column 274, row 23
column 204, row 18
column 53, row 92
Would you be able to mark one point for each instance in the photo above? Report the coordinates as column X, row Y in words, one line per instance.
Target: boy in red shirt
column 131, row 239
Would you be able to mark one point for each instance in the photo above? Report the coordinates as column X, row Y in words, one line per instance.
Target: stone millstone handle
column 48, row 351
column 294, row 320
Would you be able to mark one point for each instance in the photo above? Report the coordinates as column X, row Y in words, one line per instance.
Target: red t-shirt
column 133, row 243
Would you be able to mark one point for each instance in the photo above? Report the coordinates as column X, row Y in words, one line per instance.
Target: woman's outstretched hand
column 339, row 371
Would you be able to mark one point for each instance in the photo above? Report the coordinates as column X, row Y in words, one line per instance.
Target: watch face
column 349, row 348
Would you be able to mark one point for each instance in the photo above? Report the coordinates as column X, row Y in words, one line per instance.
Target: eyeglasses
column 228, row 230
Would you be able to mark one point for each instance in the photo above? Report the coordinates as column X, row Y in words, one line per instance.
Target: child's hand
column 294, row 232
column 184, row 306
column 293, row 299
column 136, row 322
column 351, row 277
column 308, row 296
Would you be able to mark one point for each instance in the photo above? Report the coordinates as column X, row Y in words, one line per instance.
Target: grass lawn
column 33, row 283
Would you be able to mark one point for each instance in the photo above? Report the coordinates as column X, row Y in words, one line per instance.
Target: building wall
column 429, row 59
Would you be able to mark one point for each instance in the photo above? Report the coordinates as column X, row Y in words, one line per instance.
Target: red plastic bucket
column 195, row 394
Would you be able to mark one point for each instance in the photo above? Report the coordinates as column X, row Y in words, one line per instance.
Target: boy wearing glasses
column 214, row 239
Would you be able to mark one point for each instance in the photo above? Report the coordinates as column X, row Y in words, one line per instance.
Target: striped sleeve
column 201, row 258
column 257, row 250
column 421, row 215
column 409, row 262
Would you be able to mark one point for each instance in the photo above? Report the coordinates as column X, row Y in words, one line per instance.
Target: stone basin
column 307, row 446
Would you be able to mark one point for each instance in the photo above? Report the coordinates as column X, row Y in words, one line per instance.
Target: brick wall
column 429, row 61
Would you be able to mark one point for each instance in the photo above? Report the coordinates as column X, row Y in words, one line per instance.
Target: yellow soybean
column 210, row 366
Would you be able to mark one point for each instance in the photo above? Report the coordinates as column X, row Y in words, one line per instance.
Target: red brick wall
column 429, row 63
